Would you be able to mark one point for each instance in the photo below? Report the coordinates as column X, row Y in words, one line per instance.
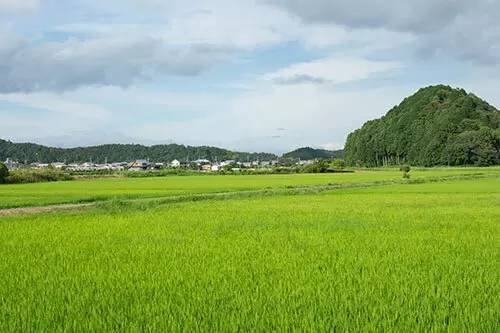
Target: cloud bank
column 460, row 28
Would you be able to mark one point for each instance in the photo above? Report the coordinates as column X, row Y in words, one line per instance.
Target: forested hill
column 438, row 125
column 121, row 152
column 308, row 153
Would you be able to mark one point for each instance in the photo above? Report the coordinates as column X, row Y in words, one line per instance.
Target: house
column 40, row 165
column 73, row 167
column 202, row 161
column 58, row 165
column 11, row 165
column 228, row 162
column 118, row 166
column 215, row 167
column 87, row 166
column 206, row 167
column 139, row 165
column 175, row 164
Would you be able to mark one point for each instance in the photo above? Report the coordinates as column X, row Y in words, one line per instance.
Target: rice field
column 411, row 257
column 40, row 194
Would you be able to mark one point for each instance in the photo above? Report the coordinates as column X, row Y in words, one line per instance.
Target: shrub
column 4, row 173
column 319, row 166
column 22, row 176
column 405, row 168
column 337, row 164
column 406, row 171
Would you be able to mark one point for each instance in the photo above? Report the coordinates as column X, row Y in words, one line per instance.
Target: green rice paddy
column 407, row 257
column 40, row 194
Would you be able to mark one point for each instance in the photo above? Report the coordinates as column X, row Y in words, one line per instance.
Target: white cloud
column 58, row 104
column 101, row 65
column 61, row 66
column 180, row 39
column 57, row 114
column 464, row 29
column 332, row 70
column 332, row 145
column 18, row 5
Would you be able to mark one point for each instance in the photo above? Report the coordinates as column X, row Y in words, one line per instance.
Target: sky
column 253, row 75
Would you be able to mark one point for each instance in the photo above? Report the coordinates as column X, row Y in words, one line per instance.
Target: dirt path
column 41, row 209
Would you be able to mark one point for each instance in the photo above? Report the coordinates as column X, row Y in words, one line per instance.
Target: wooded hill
column 308, row 153
column 438, row 125
column 121, row 152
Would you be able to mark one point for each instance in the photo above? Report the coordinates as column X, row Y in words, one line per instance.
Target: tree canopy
column 438, row 125
column 121, row 152
column 4, row 173
column 308, row 153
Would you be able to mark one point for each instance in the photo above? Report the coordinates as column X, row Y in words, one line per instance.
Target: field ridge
column 143, row 203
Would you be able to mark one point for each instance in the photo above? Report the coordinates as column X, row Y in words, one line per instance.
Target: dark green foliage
column 30, row 152
column 22, row 176
column 405, row 168
column 406, row 171
column 438, row 125
column 4, row 173
column 319, row 166
column 308, row 153
column 337, row 164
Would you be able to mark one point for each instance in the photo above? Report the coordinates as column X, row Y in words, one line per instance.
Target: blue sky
column 262, row 75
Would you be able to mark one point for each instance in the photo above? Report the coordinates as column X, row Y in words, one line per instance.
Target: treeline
column 438, row 125
column 30, row 152
column 308, row 153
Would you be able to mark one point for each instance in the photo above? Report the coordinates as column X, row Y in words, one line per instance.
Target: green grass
column 414, row 257
column 41, row 194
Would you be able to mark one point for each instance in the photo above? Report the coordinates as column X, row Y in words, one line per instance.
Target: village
column 202, row 165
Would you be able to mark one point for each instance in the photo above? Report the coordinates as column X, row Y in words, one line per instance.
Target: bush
column 23, row 176
column 406, row 171
column 4, row 173
column 405, row 168
column 160, row 173
column 337, row 164
column 317, row 167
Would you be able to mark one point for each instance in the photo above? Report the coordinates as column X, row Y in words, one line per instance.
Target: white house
column 206, row 167
column 306, row 162
column 228, row 162
column 202, row 161
column 139, row 165
column 175, row 164
column 58, row 165
column 10, row 164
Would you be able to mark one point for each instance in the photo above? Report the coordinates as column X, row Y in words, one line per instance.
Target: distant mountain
column 31, row 152
column 438, row 125
column 308, row 153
